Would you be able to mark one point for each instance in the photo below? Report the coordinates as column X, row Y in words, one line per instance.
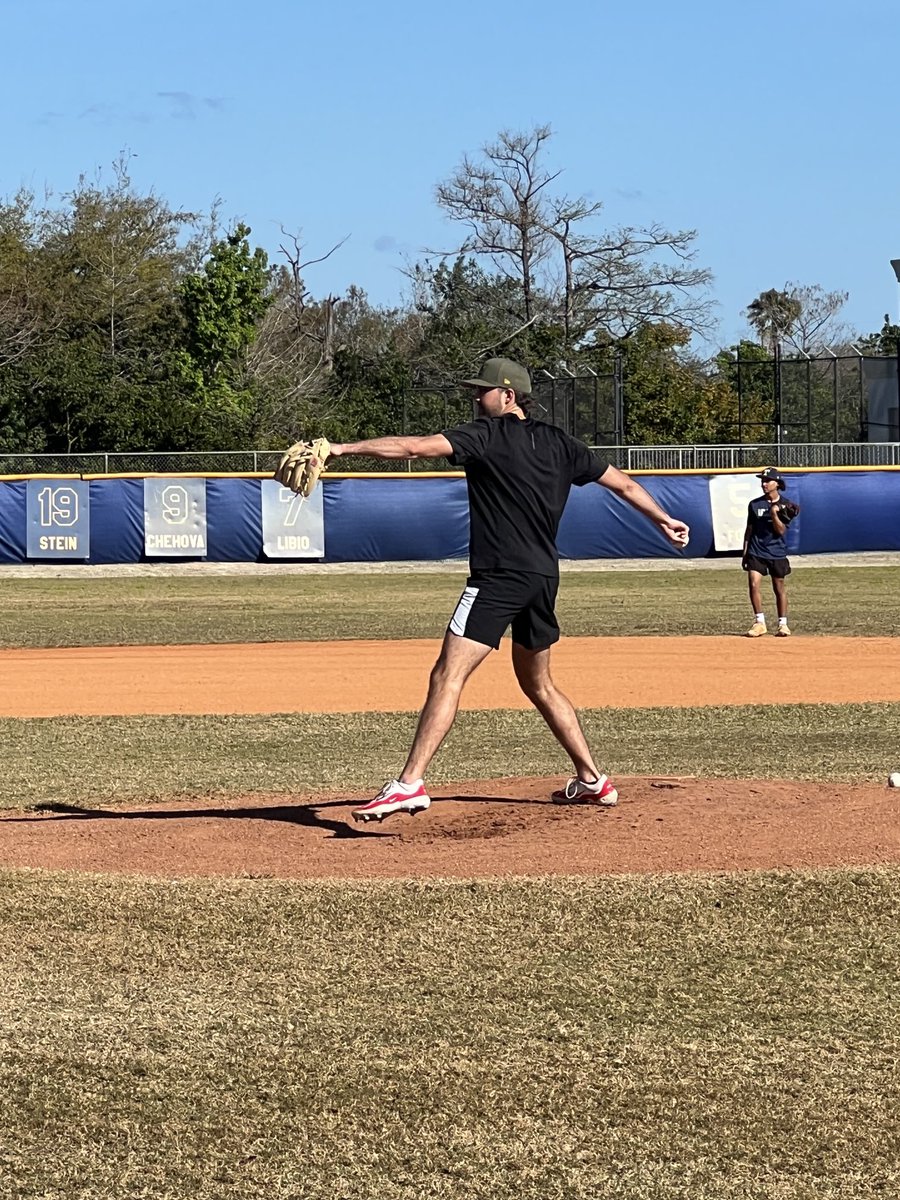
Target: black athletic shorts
column 495, row 600
column 778, row 568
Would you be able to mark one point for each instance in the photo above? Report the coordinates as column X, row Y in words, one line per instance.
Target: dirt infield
column 475, row 828
column 380, row 676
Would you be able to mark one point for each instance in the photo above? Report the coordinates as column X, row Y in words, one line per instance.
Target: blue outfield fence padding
column 850, row 511
column 396, row 520
column 117, row 520
column 400, row 518
column 12, row 522
column 597, row 524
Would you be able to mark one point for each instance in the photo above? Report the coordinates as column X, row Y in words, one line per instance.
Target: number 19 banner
column 57, row 515
column 292, row 527
column 175, row 518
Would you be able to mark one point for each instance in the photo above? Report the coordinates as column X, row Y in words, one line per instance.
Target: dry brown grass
column 725, row 1037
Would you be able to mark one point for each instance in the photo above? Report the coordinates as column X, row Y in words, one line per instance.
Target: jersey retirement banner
column 57, row 514
column 175, row 518
column 292, row 527
column 729, row 496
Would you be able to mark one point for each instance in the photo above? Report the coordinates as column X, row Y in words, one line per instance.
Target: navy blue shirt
column 518, row 475
column 764, row 542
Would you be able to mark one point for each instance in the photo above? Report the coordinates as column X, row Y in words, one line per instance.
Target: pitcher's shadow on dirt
column 299, row 814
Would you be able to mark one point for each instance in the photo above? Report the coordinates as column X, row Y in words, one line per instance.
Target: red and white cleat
column 394, row 797
column 577, row 791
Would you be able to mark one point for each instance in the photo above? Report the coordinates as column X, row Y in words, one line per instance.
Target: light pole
column 895, row 263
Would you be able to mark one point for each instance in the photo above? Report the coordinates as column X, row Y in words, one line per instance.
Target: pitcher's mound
column 478, row 828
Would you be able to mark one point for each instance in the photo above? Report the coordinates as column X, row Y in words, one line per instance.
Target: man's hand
column 677, row 532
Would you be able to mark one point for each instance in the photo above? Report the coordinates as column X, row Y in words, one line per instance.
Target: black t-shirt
column 764, row 542
column 518, row 475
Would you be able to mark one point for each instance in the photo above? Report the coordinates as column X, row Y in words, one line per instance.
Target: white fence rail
column 731, row 458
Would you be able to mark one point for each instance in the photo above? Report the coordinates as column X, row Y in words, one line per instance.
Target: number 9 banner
column 175, row 518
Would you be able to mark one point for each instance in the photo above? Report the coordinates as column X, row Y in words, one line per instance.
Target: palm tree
column 773, row 314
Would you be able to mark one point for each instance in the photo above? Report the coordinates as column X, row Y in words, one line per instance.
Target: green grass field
column 727, row 1037
column 851, row 601
column 110, row 760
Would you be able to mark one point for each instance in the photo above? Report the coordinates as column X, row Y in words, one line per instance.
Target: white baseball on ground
column 894, row 779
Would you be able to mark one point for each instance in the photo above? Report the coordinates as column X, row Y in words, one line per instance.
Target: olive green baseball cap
column 502, row 372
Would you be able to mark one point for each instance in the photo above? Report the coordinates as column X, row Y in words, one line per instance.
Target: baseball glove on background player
column 788, row 510
column 302, row 464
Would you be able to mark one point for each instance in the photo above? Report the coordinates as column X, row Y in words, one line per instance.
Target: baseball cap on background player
column 502, row 372
column 771, row 473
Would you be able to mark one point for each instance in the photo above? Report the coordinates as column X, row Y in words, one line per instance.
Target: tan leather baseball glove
column 302, row 464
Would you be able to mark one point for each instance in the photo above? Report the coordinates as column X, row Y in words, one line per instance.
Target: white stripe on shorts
column 461, row 615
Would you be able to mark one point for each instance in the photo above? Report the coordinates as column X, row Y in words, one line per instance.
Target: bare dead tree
column 613, row 281
column 634, row 276
column 502, row 201
column 293, row 354
column 314, row 322
column 816, row 324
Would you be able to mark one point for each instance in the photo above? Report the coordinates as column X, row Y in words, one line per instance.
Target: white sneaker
column 577, row 791
column 394, row 797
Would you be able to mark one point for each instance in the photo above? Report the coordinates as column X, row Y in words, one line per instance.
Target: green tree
column 749, row 371
column 671, row 397
column 465, row 314
column 222, row 306
column 117, row 257
column 97, row 316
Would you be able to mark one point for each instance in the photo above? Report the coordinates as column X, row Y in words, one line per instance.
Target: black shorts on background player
column 778, row 568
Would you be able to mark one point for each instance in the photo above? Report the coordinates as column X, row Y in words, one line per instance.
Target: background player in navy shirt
column 765, row 550
column 518, row 473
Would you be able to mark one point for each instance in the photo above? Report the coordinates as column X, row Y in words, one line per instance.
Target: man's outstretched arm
column 638, row 497
column 433, row 446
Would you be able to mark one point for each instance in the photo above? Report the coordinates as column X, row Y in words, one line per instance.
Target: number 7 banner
column 292, row 527
column 57, row 515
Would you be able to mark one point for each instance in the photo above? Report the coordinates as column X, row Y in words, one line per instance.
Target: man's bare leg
column 458, row 659
column 755, row 579
column 532, row 669
column 779, row 587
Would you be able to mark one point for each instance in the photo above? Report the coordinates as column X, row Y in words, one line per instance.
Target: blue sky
column 769, row 128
